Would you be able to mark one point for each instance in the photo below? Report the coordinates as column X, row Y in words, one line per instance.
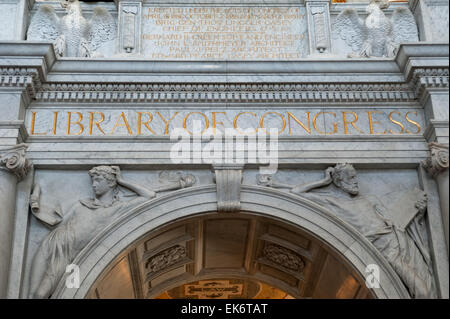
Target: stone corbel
column 438, row 161
column 13, row 160
column 319, row 27
column 130, row 13
column 228, row 179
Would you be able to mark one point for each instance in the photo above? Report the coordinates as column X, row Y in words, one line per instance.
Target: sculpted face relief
column 44, row 122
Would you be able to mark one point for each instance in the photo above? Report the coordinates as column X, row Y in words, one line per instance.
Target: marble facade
column 316, row 71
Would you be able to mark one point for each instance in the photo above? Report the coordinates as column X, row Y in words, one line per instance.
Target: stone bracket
column 228, row 179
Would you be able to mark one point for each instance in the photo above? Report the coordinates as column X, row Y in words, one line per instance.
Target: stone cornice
column 25, row 65
column 416, row 68
column 22, row 78
column 14, row 160
column 224, row 93
column 425, row 79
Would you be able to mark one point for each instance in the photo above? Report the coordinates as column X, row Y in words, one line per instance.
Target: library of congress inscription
column 154, row 122
column 216, row 33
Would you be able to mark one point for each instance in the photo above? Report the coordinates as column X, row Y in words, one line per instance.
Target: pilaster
column 14, row 166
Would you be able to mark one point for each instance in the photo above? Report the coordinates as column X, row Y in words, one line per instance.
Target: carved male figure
column 85, row 219
column 397, row 231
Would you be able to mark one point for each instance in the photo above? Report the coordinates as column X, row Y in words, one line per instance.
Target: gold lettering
column 204, row 116
column 55, row 120
column 344, row 116
column 261, row 122
column 214, row 123
column 33, row 120
column 295, row 119
column 236, row 119
column 69, row 122
column 91, row 122
column 166, row 131
column 150, row 118
column 125, row 123
column 372, row 122
column 396, row 122
column 412, row 122
column 334, row 123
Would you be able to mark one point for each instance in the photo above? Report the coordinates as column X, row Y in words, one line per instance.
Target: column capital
column 438, row 160
column 13, row 159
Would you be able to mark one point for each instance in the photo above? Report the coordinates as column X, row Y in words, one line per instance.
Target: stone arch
column 342, row 237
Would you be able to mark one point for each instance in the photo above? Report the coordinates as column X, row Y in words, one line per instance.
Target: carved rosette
column 438, row 160
column 13, row 160
column 284, row 257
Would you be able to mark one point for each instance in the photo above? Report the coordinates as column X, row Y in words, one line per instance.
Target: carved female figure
column 86, row 219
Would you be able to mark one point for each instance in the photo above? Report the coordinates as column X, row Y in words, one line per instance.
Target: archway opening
column 229, row 256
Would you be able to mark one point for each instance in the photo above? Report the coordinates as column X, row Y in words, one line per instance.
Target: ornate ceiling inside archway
column 229, row 257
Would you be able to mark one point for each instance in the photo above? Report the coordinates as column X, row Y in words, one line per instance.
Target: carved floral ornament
column 13, row 160
column 284, row 257
column 438, row 160
column 166, row 258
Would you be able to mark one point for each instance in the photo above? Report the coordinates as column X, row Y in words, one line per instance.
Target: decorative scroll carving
column 228, row 179
column 13, row 160
column 438, row 160
column 86, row 219
column 319, row 29
column 129, row 29
column 166, row 258
column 226, row 93
column 377, row 35
column 284, row 257
column 49, row 216
column 398, row 230
column 72, row 34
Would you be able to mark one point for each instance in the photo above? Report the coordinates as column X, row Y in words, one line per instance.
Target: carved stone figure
column 377, row 35
column 85, row 219
column 398, row 231
column 72, row 35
